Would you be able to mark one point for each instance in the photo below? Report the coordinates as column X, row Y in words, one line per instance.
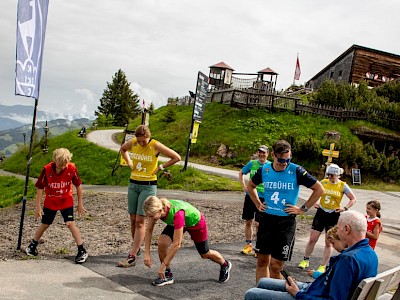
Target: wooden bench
column 378, row 287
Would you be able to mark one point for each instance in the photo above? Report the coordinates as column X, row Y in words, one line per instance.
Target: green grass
column 12, row 190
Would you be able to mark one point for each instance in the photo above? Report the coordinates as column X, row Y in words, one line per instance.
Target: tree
column 119, row 100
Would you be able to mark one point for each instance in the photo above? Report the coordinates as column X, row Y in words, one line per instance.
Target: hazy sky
column 161, row 45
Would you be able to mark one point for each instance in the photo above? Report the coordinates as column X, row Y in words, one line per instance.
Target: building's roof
column 353, row 48
column 268, row 71
column 222, row 65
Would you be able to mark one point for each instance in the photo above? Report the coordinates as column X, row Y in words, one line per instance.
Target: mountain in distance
column 16, row 116
column 11, row 138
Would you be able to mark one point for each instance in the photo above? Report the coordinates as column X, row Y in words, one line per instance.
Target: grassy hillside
column 242, row 131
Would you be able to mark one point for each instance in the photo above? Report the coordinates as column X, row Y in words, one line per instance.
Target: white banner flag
column 31, row 29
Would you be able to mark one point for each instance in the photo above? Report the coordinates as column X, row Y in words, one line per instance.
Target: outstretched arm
column 147, row 242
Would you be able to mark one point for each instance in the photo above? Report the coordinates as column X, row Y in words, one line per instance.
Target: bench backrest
column 373, row 287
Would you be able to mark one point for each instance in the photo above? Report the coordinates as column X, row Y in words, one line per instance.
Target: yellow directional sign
column 330, row 153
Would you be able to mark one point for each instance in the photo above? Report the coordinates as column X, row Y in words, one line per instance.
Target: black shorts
column 201, row 247
column 250, row 210
column 324, row 220
column 276, row 236
column 50, row 214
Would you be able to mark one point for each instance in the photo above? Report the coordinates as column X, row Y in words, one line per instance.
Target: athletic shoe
column 139, row 252
column 247, row 249
column 81, row 257
column 224, row 272
column 305, row 263
column 163, row 281
column 31, row 250
column 130, row 261
column 321, row 269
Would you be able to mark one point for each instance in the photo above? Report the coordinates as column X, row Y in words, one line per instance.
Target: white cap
column 334, row 169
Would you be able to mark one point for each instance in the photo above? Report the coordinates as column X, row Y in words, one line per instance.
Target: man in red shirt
column 56, row 180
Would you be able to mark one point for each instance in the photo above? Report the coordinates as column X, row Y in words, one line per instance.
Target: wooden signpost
column 330, row 153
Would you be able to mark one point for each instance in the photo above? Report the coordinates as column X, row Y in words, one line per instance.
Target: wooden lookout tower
column 220, row 76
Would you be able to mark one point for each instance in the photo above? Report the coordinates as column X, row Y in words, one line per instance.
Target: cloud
column 161, row 45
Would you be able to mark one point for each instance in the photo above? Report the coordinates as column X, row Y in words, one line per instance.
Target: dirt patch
column 106, row 230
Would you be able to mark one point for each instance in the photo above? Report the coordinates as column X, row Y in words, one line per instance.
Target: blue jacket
column 346, row 271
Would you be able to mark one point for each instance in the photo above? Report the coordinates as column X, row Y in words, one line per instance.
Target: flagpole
column 21, row 224
column 294, row 75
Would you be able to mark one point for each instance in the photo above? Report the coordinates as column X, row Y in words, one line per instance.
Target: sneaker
column 224, row 273
column 163, row 281
column 321, row 269
column 81, row 257
column 305, row 263
column 247, row 249
column 130, row 261
column 31, row 250
column 139, row 252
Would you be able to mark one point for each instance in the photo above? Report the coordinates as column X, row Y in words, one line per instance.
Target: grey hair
column 355, row 220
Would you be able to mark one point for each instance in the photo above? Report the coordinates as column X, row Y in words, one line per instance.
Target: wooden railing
column 276, row 102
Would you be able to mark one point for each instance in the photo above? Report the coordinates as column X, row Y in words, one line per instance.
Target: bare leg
column 133, row 227
column 263, row 261
column 39, row 231
column 215, row 256
column 164, row 241
column 139, row 233
column 276, row 268
column 314, row 236
column 75, row 232
column 248, row 230
column 327, row 252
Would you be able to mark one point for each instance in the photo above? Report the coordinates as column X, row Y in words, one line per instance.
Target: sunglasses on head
column 282, row 160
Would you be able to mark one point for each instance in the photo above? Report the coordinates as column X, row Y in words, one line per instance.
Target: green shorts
column 137, row 193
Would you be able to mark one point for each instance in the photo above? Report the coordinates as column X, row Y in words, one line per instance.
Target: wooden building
column 220, row 76
column 360, row 63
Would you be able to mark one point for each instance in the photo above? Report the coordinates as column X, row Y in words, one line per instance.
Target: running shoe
column 321, row 269
column 81, row 257
column 224, row 272
column 247, row 249
column 31, row 250
column 130, row 261
column 305, row 263
column 163, row 281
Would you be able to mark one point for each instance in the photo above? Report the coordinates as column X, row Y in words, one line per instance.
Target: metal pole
column 188, row 146
column 21, row 224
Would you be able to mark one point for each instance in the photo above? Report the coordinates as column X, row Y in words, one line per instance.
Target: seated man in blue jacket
column 342, row 277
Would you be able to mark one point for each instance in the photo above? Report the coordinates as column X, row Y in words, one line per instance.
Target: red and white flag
column 297, row 71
